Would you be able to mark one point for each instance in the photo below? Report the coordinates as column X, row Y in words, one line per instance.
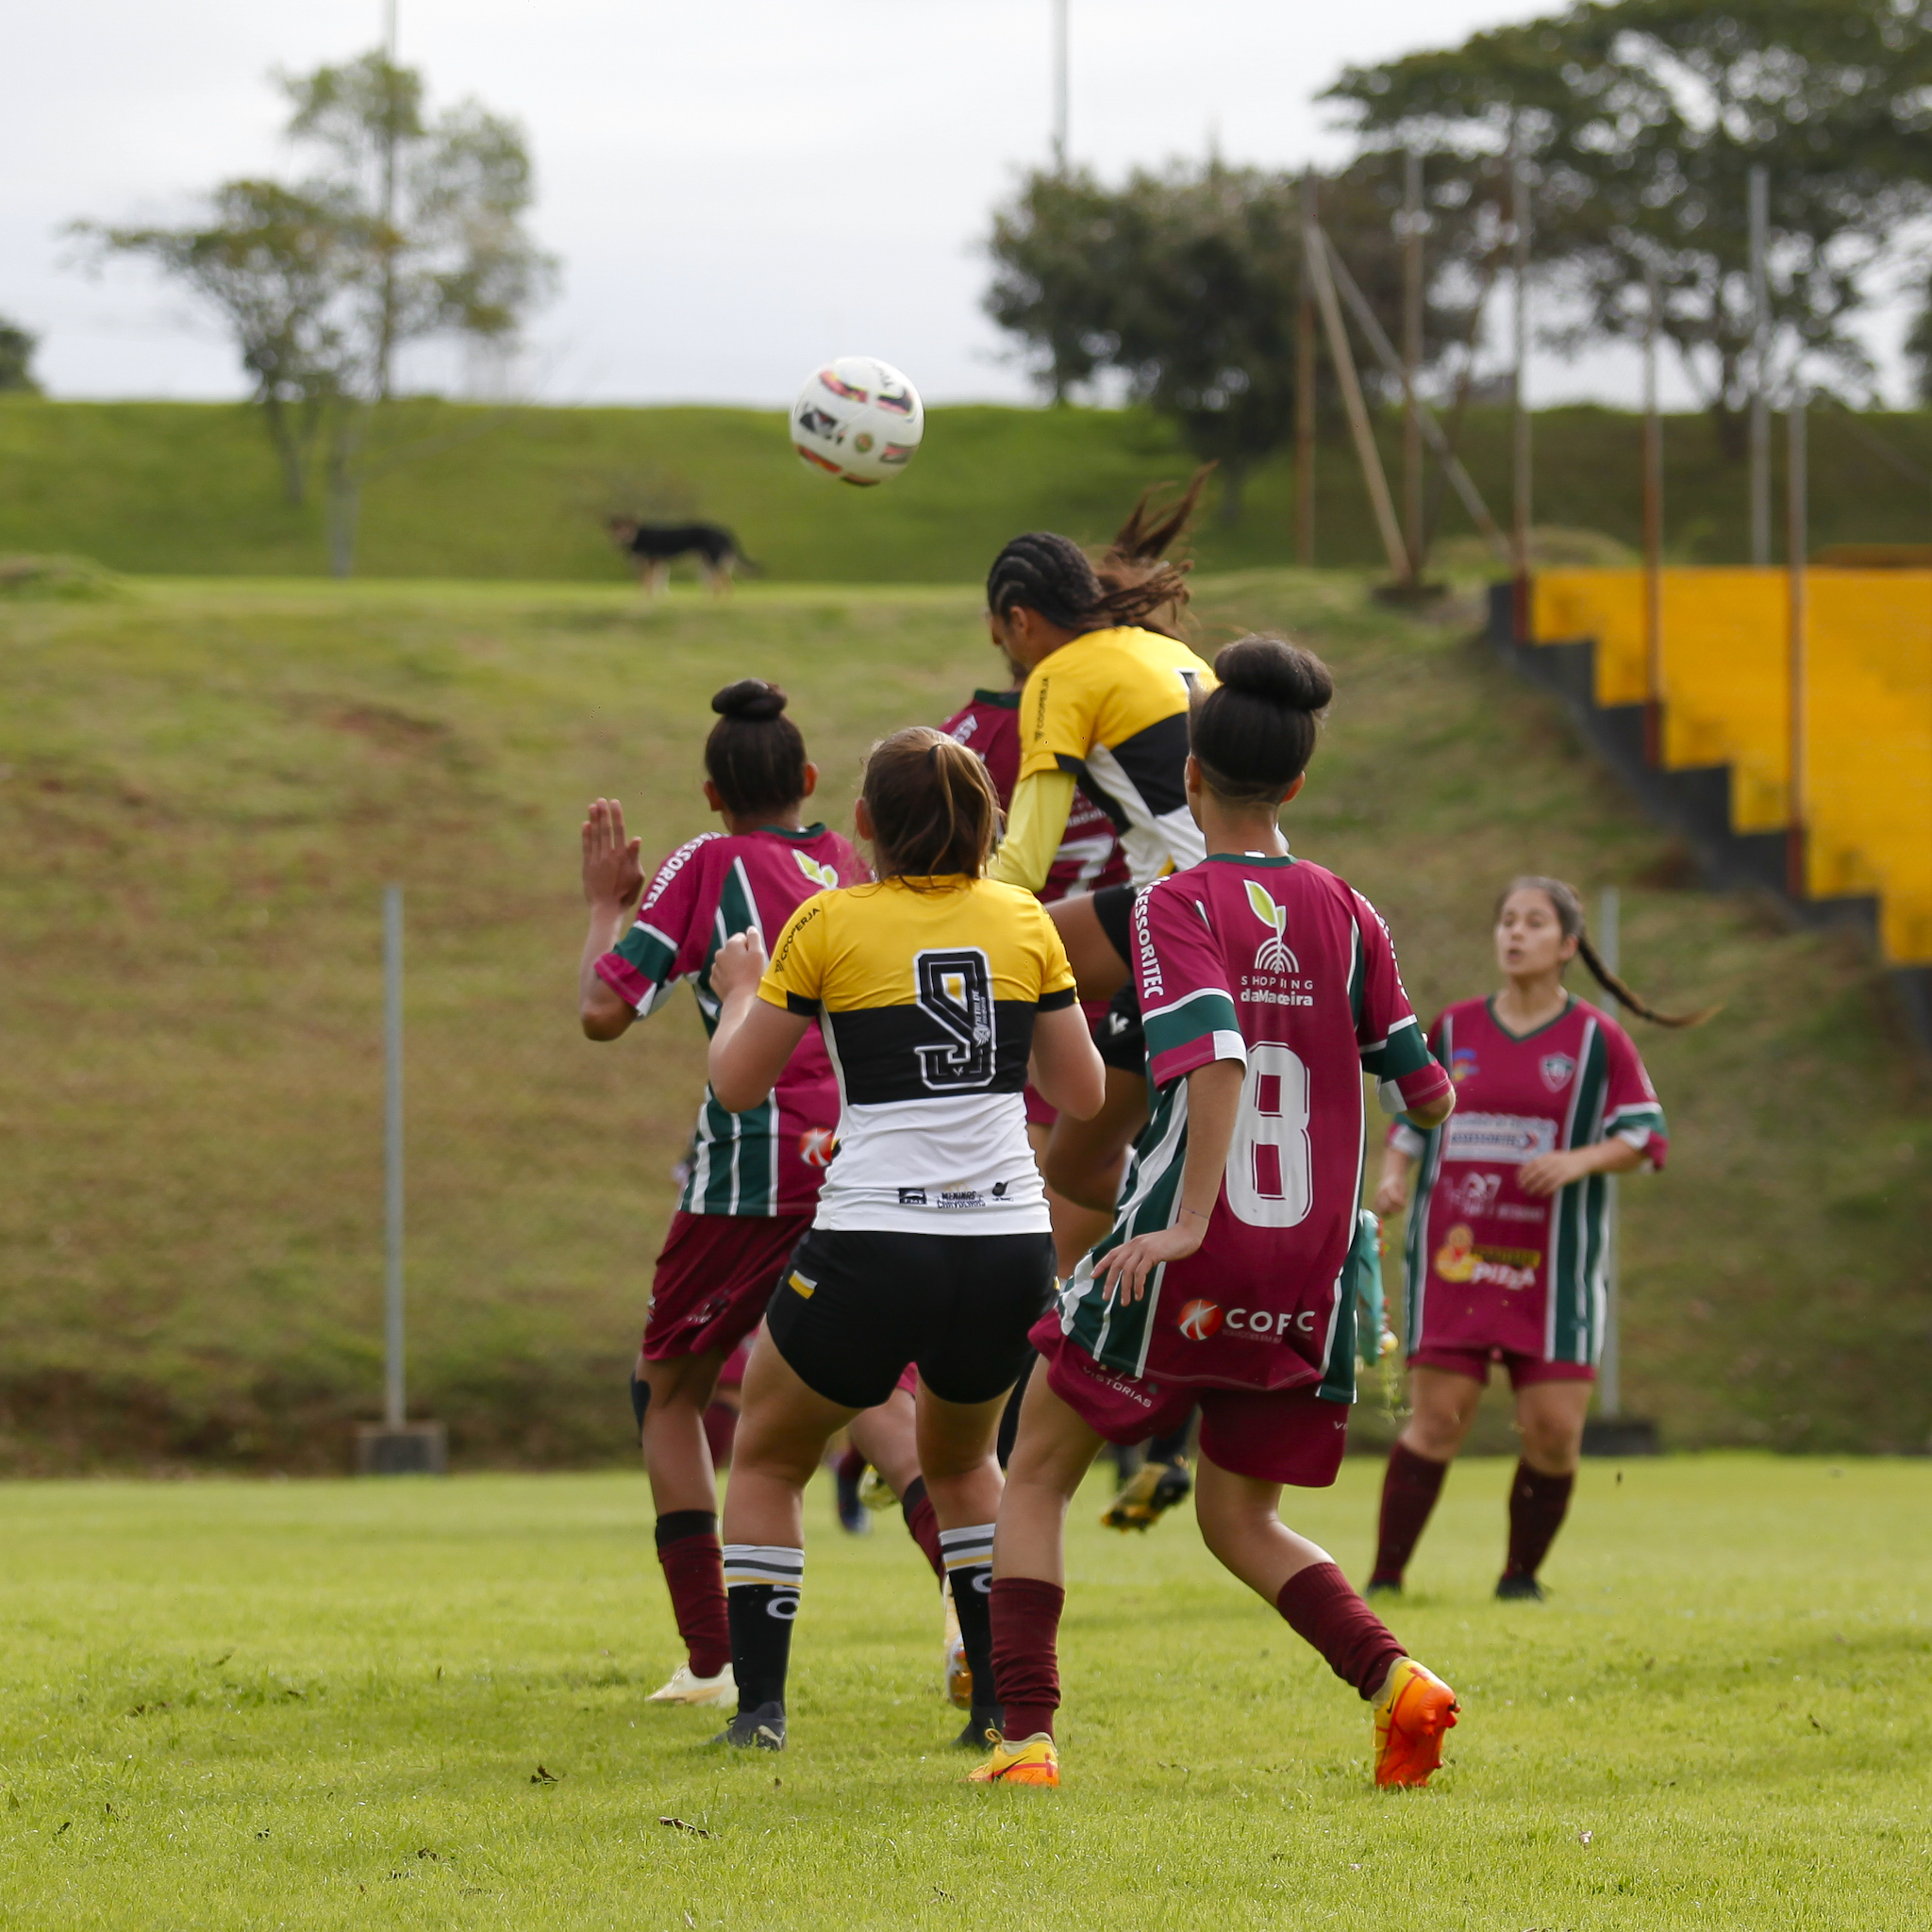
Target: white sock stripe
column 964, row 1547
column 771, row 1563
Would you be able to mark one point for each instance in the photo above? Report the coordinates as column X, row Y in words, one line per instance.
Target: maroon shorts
column 1037, row 1113
column 715, row 1273
column 1269, row 1435
column 1524, row 1369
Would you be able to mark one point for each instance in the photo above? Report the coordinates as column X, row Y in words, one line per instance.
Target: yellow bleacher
column 1724, row 652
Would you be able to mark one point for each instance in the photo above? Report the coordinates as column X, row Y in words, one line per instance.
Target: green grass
column 203, row 789
column 191, row 489
column 322, row 1705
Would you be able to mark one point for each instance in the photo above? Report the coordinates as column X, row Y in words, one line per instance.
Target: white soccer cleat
column 694, row 1693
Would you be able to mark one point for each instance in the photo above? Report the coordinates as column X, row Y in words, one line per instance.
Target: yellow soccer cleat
column 1032, row 1762
column 953, row 1647
column 695, row 1692
column 1413, row 1712
column 1153, row 1489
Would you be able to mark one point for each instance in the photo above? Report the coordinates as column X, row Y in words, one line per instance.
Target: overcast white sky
column 736, row 188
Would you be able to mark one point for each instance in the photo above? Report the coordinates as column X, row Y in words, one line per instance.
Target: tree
column 1187, row 284
column 16, row 358
column 1641, row 120
column 408, row 227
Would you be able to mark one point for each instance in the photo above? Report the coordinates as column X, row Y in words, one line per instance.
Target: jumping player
column 752, row 1180
column 1506, row 1244
column 1267, row 988
column 934, row 989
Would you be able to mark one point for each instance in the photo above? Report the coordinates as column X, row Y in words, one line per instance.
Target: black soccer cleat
column 763, row 1729
column 855, row 1518
column 986, row 1718
column 1389, row 1588
column 1512, row 1587
column 1153, row 1489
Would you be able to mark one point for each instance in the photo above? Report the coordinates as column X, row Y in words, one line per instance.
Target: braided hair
column 1568, row 905
column 1050, row 574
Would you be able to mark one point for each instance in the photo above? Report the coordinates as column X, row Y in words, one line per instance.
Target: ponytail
column 1139, row 546
column 1568, row 910
column 934, row 811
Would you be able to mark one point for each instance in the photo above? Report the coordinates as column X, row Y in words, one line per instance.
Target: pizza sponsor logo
column 1557, row 1068
column 1462, row 1258
column 1201, row 1319
column 1506, row 1139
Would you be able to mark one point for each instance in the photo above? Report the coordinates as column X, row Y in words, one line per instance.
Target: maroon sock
column 850, row 1466
column 1323, row 1610
column 1538, row 1504
column 720, row 1431
column 1409, row 1490
column 922, row 1525
column 693, row 1561
column 1026, row 1660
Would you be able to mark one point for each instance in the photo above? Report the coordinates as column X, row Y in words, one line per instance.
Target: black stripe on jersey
column 1094, row 788
column 1156, row 763
column 912, row 1052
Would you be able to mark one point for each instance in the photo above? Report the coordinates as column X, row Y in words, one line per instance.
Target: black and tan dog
column 654, row 547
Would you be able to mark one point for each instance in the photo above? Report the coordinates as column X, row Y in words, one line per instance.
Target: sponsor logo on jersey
column 816, row 1146
column 1557, row 1068
column 1462, row 1258
column 1472, row 1194
column 964, row 729
column 1274, row 953
column 913, row 1197
column 825, row 876
column 1462, row 1064
column 1506, row 1139
column 671, row 867
column 1200, row 1319
column 1152, row 987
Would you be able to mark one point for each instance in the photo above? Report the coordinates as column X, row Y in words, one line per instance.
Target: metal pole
column 1412, row 357
column 1060, row 86
column 394, row 1409
column 1652, row 523
column 1519, row 204
column 1610, row 1373
column 1797, row 543
column 1304, row 385
column 1760, row 371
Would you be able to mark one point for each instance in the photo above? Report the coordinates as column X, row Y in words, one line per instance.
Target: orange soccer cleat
column 1031, row 1761
column 1414, row 1710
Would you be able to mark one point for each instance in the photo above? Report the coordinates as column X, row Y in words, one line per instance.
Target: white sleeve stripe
column 1376, row 1046
column 1206, row 993
column 1231, row 1046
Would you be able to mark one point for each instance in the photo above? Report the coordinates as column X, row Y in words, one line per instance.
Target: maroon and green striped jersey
column 771, row 1159
column 1488, row 1265
column 1282, row 967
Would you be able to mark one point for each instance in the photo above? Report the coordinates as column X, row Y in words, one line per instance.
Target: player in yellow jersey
column 937, row 991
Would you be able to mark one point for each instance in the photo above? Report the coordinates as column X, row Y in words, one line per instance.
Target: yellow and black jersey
column 926, row 992
column 1109, row 712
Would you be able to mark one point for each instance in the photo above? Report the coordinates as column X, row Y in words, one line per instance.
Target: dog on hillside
column 654, row 547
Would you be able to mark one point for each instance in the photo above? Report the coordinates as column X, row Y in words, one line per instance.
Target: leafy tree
column 1187, row 283
column 16, row 358
column 1641, row 120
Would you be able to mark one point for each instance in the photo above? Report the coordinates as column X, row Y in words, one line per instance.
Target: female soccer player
column 1267, row 987
column 752, row 1178
column 933, row 988
column 1507, row 1238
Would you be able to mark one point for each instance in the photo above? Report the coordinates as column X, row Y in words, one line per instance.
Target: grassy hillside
column 190, row 488
column 203, row 787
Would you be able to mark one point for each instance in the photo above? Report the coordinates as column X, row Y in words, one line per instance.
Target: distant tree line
column 1638, row 122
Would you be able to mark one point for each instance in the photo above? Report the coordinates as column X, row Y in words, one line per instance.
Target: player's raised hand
column 737, row 965
column 612, row 875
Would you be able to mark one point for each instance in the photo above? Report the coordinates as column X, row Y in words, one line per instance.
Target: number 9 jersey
column 1281, row 966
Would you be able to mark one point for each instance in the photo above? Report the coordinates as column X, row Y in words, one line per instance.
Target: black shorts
column 1113, row 906
column 1116, row 1034
column 872, row 1301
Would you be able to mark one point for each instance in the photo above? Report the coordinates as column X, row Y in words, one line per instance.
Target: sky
column 737, row 190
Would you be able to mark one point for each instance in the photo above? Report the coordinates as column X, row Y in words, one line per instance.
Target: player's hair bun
column 1278, row 673
column 751, row 699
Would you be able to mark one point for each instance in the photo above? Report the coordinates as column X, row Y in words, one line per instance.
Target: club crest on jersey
column 1274, row 953
column 1462, row 1064
column 823, row 875
column 1557, row 1068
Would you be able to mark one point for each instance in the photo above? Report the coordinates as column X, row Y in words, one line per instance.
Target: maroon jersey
column 1491, row 1267
column 771, row 1159
column 1278, row 965
column 1090, row 855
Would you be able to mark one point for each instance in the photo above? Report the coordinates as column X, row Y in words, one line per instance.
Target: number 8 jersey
column 1281, row 966
column 926, row 992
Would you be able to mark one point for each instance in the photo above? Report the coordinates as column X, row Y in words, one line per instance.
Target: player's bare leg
column 1549, row 1418
column 1075, row 1228
column 1097, row 967
column 1442, row 1407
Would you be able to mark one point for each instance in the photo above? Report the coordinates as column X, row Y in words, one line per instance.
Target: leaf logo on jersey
column 1556, row 1069
column 823, row 875
column 1272, row 955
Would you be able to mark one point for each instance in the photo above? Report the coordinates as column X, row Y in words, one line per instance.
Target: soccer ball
column 858, row 419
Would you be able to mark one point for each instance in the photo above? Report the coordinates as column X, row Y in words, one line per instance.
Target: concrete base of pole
column 415, row 1449
column 1619, row 1436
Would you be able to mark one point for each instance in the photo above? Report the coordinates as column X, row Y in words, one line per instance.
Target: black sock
column 1172, row 1447
column 675, row 1524
column 761, row 1585
column 969, row 1571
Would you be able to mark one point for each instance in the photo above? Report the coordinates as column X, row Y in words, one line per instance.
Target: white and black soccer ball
column 858, row 419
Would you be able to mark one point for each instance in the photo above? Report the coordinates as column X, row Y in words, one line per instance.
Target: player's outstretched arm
column 1065, row 1070
column 754, row 1039
column 612, row 881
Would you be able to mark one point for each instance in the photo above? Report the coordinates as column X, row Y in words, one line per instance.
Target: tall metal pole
column 386, row 347
column 1760, row 369
column 1060, row 86
column 1797, row 541
column 1412, row 357
column 1653, row 525
column 394, row 1407
column 1519, row 213
column 1305, row 384
column 1610, row 1375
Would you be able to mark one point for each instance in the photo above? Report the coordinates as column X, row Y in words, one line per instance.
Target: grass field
column 420, row 1705
column 203, row 789
column 191, row 489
